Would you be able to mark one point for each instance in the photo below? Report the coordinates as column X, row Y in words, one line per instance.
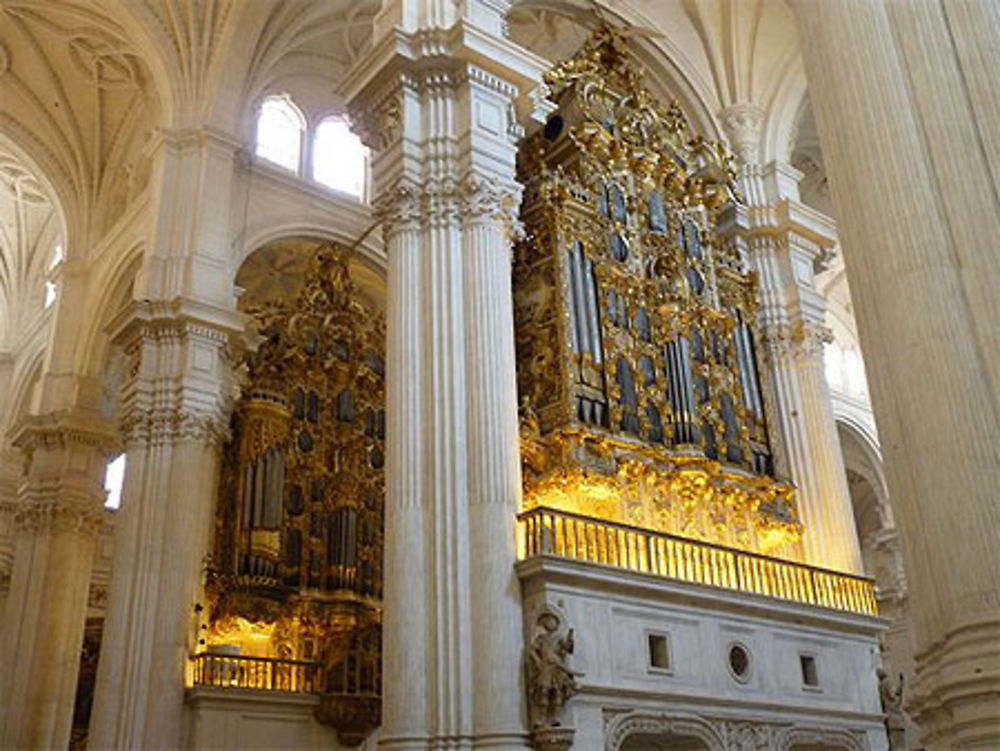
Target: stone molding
column 55, row 517
column 945, row 671
column 65, row 429
column 727, row 734
column 179, row 363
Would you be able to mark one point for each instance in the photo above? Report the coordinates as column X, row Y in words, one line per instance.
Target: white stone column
column 175, row 415
column 494, row 460
column 406, row 626
column 58, row 515
column 906, row 98
column 783, row 240
column 443, row 129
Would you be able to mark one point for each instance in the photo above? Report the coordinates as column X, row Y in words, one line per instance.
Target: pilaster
column 175, row 415
column 436, row 100
column 56, row 520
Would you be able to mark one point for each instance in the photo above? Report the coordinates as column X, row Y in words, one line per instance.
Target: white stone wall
column 221, row 719
column 612, row 613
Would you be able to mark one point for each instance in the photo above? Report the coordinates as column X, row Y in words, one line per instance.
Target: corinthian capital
column 797, row 340
column 742, row 123
column 57, row 516
column 492, row 200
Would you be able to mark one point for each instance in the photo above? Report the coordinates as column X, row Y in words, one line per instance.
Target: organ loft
column 636, row 326
column 295, row 579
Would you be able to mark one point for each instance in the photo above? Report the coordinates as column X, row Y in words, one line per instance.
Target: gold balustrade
column 561, row 534
column 258, row 673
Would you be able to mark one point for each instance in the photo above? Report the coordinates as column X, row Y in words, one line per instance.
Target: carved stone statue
column 550, row 681
column 892, row 705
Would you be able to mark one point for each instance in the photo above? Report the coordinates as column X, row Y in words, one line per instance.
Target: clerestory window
column 280, row 128
column 339, row 159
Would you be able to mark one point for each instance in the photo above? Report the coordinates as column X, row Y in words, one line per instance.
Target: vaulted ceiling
column 30, row 228
column 85, row 84
column 78, row 97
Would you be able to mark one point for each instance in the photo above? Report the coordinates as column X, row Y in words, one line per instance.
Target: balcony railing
column 259, row 673
column 561, row 534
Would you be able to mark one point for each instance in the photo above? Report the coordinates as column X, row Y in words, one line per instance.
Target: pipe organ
column 641, row 396
column 297, row 570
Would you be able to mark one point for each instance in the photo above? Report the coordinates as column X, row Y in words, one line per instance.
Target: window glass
column 340, row 160
column 279, row 132
column 114, row 478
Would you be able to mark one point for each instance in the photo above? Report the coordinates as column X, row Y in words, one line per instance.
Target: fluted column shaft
column 494, row 480
column 445, row 143
column 58, row 514
column 175, row 416
column 906, row 100
column 405, row 621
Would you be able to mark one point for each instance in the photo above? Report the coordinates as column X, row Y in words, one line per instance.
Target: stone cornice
column 66, row 428
column 781, row 219
column 499, row 61
column 178, row 313
column 192, row 137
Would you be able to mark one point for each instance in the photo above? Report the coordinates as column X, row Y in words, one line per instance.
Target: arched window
column 340, row 160
column 114, row 478
column 279, row 132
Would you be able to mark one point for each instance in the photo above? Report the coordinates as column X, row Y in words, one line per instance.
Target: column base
column 956, row 699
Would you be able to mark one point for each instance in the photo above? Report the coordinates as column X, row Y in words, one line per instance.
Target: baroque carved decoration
column 192, row 402
column 296, row 571
column 620, row 727
column 636, row 328
column 551, row 681
column 799, row 340
column 726, row 734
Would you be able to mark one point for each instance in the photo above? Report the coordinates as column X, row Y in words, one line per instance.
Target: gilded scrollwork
column 637, row 329
column 296, row 571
